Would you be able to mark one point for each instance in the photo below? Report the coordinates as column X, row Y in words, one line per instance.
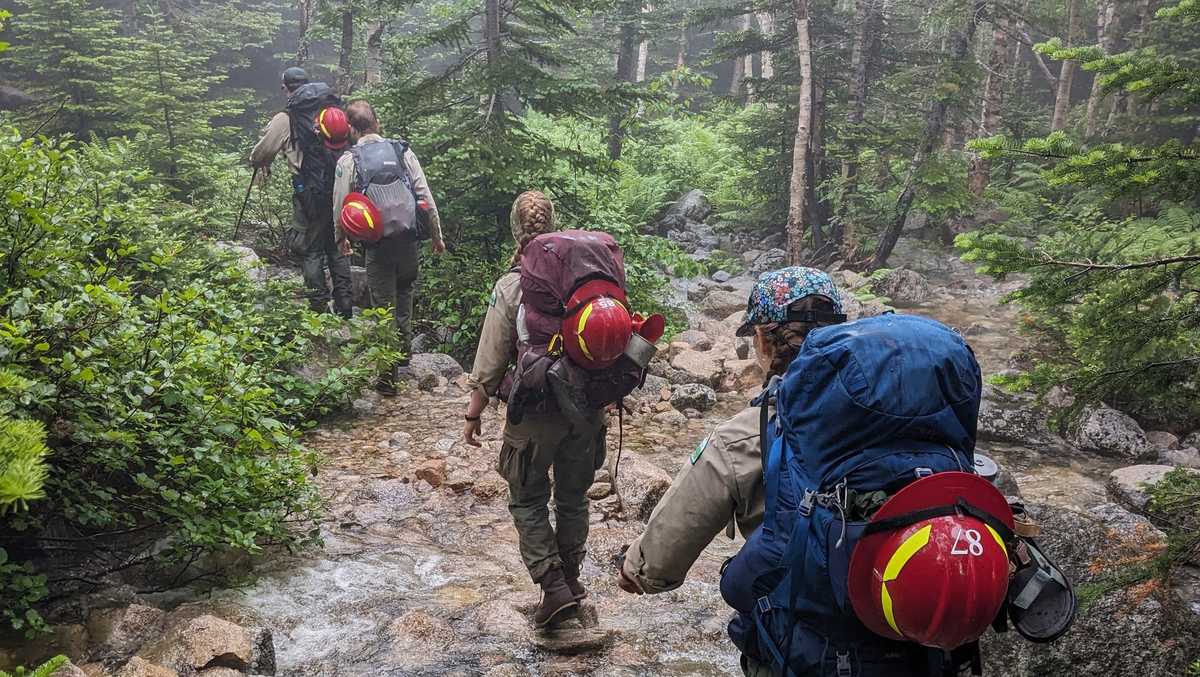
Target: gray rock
column 641, row 484
column 651, row 391
column 1192, row 440
column 693, row 396
column 247, row 260
column 721, row 276
column 1110, row 432
column 1161, row 439
column 400, row 440
column 772, row 259
column 670, row 418
column 1130, row 486
column 1120, row 631
column 437, row 364
column 360, row 293
column 856, row 309
column 719, row 303
column 363, row 406
column 903, row 287
column 117, row 634
column 1187, row 458
column 695, row 338
column 698, row 367
column 572, row 641
column 750, row 256
column 1010, row 417
column 692, row 206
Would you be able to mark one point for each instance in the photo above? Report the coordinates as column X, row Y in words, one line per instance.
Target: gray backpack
column 381, row 175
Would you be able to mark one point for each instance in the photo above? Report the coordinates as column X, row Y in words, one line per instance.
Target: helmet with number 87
column 932, row 566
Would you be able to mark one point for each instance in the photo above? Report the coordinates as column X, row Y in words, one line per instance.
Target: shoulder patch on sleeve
column 700, row 449
column 492, row 299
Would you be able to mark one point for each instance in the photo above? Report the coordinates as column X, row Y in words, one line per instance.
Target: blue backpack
column 865, row 409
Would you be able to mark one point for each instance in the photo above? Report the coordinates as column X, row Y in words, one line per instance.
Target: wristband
column 472, row 419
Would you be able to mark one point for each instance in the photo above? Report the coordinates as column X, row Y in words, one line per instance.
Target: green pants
column 392, row 266
column 530, row 449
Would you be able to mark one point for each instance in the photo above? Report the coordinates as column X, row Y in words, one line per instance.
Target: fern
column 44, row 670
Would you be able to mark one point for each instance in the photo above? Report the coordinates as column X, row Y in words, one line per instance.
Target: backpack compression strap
column 961, row 507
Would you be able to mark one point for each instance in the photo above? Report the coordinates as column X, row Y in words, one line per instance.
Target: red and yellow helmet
column 597, row 327
column 937, row 580
column 333, row 127
column 361, row 219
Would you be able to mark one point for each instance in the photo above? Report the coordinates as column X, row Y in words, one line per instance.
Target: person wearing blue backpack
column 880, row 552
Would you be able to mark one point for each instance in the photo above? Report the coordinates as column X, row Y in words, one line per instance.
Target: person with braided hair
column 552, row 554
column 722, row 482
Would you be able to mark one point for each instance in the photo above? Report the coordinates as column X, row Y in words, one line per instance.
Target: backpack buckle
column 922, row 473
column 844, row 669
column 764, row 605
column 806, row 503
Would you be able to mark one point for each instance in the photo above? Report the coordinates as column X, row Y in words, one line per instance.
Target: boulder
column 1107, row 431
column 599, row 490
column 118, row 633
column 247, row 260
column 138, row 667
column 436, row 364
column 692, row 206
column 721, row 276
column 489, row 486
column 693, row 396
column 902, row 286
column 210, row 642
column 640, row 485
column 1012, row 417
column 720, row 304
column 1161, row 439
column 772, row 259
column 68, row 669
column 1121, row 631
column 572, row 641
column 1187, row 458
column 1130, row 486
column 671, row 375
column 418, row 627
column 433, row 471
column 650, row 393
column 1192, row 440
column 360, row 291
column 856, row 309
column 742, row 375
column 670, row 418
column 694, row 338
column 699, row 367
column 848, row 279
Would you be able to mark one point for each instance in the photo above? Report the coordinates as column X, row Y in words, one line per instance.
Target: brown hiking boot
column 558, row 603
column 571, row 573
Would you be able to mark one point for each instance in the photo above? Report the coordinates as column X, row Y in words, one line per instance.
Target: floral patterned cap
column 778, row 289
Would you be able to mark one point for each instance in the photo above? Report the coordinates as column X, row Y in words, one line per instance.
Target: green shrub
column 172, row 386
column 44, row 670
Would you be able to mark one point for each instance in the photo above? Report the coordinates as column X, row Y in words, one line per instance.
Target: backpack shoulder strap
column 400, row 147
column 360, row 181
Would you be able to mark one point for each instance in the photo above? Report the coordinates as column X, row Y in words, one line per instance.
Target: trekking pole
column 238, row 226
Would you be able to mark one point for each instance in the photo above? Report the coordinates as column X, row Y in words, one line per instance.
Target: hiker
column 560, row 318
column 868, row 498
column 723, row 476
column 385, row 174
column 311, row 150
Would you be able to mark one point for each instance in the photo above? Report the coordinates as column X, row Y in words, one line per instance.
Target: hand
column 626, row 584
column 263, row 176
column 438, row 246
column 345, row 247
column 470, row 430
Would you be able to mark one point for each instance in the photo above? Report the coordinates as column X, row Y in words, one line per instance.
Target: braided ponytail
column 532, row 215
column 781, row 342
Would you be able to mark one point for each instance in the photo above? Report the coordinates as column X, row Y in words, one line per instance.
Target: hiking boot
column 571, row 574
column 558, row 603
column 386, row 384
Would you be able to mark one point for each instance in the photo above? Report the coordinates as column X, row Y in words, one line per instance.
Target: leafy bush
column 172, row 386
column 44, row 670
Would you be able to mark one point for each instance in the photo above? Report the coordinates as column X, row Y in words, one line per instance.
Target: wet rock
column 856, row 309
column 721, row 276
column 68, row 670
column 1130, row 486
column 694, row 339
column 400, row 440
column 1187, row 458
column 506, row 670
column 1161, row 439
column 437, row 364
column 364, row 406
column 772, row 259
column 1012, row 417
column 1105, row 430
column 691, row 207
column 902, row 286
column 693, row 414
column 608, row 507
column 1135, row 631
column 599, row 490
column 118, row 633
column 649, row 393
column 848, row 279
column 694, row 396
column 1060, row 398
column 70, row 640
column 460, row 481
column 209, row 642
column 221, row 672
column 641, row 484
column 720, row 304
column 95, row 670
column 1192, row 440
column 572, row 641
column 698, row 367
column 138, row 667
column 419, row 627
column 247, row 260
column 433, row 471
column 501, row 618
column 671, row 418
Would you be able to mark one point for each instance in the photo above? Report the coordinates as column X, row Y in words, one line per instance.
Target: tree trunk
column 626, row 66
column 739, row 66
column 766, row 24
column 993, row 99
column 643, row 54
column 346, row 52
column 935, row 119
column 168, row 126
column 819, row 212
column 681, row 54
column 1066, row 76
column 1106, row 36
column 306, row 12
column 1137, row 40
column 866, row 13
column 798, row 188
column 374, row 73
column 491, row 32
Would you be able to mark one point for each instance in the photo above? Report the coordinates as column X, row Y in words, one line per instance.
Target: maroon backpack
column 559, row 272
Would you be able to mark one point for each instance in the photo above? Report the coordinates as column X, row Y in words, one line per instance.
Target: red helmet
column 938, row 581
column 597, row 332
column 333, row 127
column 360, row 218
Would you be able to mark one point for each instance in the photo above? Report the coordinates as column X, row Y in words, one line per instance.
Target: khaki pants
column 530, row 449
column 392, row 267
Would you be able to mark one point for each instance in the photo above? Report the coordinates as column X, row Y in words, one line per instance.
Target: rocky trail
column 420, row 574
